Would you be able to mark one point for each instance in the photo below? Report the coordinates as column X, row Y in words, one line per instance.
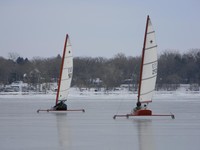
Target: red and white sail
column 148, row 70
column 66, row 71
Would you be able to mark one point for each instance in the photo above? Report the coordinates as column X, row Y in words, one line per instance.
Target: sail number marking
column 154, row 68
column 70, row 70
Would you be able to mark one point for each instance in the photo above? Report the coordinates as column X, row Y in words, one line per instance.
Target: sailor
column 60, row 106
column 138, row 107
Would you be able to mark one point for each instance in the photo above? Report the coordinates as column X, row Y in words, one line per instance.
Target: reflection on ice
column 63, row 130
column 145, row 134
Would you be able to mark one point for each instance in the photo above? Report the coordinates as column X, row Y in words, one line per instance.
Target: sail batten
column 64, row 90
column 67, row 68
column 151, row 32
column 149, row 77
column 148, row 48
column 151, row 62
column 147, row 92
column 68, row 56
column 66, row 79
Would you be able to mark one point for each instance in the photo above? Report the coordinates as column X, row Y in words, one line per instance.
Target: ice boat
column 148, row 75
column 65, row 78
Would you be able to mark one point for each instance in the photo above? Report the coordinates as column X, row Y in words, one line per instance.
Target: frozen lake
column 21, row 128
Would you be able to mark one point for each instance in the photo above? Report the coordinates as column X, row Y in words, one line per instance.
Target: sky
column 97, row 28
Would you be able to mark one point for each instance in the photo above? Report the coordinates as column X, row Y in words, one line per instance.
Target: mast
column 61, row 68
column 142, row 62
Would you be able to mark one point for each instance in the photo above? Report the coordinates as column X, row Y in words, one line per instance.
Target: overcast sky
column 96, row 27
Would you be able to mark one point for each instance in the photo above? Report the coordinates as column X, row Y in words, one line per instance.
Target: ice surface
column 21, row 128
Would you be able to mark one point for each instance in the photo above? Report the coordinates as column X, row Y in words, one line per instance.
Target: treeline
column 173, row 68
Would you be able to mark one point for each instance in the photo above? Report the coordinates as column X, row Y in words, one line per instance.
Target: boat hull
column 143, row 112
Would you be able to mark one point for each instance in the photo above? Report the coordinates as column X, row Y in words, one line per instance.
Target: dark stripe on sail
column 150, row 47
column 149, row 77
column 147, row 92
column 151, row 32
column 150, row 62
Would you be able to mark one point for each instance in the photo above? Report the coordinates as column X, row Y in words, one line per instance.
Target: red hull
column 143, row 112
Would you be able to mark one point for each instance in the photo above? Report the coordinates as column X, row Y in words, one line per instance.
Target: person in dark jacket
column 138, row 107
column 60, row 106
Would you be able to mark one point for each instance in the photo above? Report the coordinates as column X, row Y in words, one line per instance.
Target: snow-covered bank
column 100, row 95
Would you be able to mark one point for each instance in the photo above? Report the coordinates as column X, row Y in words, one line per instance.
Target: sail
column 66, row 72
column 149, row 63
